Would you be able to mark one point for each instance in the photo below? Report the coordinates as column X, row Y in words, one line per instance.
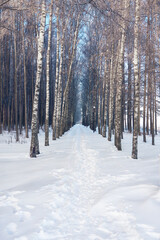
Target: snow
column 79, row 188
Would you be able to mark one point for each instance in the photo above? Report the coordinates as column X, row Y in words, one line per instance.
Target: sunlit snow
column 79, row 188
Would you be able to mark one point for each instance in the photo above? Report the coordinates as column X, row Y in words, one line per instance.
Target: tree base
column 33, row 155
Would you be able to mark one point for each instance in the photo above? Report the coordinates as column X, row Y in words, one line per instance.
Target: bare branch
column 1, row 4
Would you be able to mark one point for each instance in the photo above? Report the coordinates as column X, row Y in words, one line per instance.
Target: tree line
column 38, row 67
column 121, row 85
column 111, row 47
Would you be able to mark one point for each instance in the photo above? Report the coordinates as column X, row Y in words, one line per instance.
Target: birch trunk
column 54, row 122
column 102, row 106
column 47, row 77
column 148, row 101
column 99, row 95
column 34, row 148
column 144, row 106
column 90, row 92
column 118, row 103
column 129, row 96
column 15, row 81
column 59, row 96
column 99, row 110
column 94, row 109
column 25, row 81
column 20, row 99
column 145, row 87
column 139, row 114
column 118, row 109
column 157, row 50
column 136, row 77
column 105, row 98
column 153, row 98
column 111, row 95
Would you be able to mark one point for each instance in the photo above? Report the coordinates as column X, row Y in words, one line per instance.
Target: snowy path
column 79, row 188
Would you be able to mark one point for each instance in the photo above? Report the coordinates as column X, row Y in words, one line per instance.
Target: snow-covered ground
column 79, row 188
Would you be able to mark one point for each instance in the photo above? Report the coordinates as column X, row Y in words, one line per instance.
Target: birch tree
column 111, row 95
column 106, row 96
column 57, row 78
column 136, row 77
column 15, row 80
column 118, row 110
column 66, row 90
column 47, row 77
column 25, row 80
column 59, row 95
column 34, row 148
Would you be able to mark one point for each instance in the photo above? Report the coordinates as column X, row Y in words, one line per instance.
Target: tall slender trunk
column 20, row 99
column 34, row 148
column 47, row 77
column 102, row 107
column 139, row 75
column 113, row 64
column 90, row 94
column 118, row 110
column 155, row 101
column 148, row 101
column 56, row 81
column 144, row 106
column 25, row 81
column 129, row 96
column 158, row 50
column 15, row 80
column 136, row 77
column 148, row 66
column 59, row 97
column 106, row 97
column 99, row 94
column 123, row 100
column 99, row 110
column 94, row 107
column 153, row 96
column 7, row 82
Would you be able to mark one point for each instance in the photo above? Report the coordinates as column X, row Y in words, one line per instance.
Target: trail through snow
column 79, row 188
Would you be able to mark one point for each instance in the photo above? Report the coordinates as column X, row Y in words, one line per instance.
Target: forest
column 64, row 61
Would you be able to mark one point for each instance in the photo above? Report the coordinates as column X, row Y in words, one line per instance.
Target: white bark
column 136, row 78
column 59, row 96
column 111, row 95
column 56, row 81
column 105, row 98
column 47, row 77
column 25, row 79
column 34, row 148
column 15, row 80
column 120, row 79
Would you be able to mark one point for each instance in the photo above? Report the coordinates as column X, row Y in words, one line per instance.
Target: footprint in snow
column 11, row 228
column 23, row 215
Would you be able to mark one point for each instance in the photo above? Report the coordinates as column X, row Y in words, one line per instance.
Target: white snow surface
column 79, row 188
